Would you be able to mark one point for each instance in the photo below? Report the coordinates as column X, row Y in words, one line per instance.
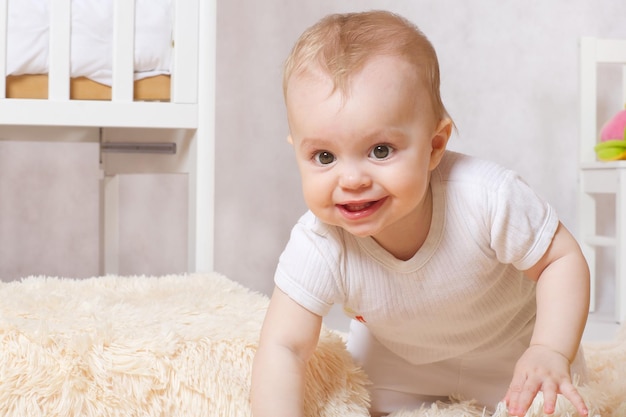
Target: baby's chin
column 361, row 231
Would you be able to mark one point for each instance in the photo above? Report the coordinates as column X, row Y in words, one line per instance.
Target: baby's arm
column 562, row 277
column 288, row 339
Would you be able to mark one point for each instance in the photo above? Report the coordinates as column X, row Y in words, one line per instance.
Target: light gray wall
column 509, row 79
column 49, row 210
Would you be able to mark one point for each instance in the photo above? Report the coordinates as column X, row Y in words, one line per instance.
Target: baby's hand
column 542, row 369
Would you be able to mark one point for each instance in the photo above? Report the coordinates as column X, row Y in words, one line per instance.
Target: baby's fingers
column 521, row 395
column 549, row 397
column 570, row 392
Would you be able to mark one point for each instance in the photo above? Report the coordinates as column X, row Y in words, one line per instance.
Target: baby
column 460, row 280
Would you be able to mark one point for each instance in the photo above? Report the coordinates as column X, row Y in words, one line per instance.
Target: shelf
column 606, row 241
column 600, row 177
column 602, row 165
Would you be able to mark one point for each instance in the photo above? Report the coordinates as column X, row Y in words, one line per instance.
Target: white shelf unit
column 600, row 177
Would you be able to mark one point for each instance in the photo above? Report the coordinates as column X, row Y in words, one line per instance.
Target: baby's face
column 365, row 158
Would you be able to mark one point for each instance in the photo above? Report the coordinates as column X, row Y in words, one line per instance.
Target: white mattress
column 91, row 38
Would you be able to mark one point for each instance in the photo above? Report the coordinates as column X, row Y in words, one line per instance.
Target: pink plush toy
column 612, row 144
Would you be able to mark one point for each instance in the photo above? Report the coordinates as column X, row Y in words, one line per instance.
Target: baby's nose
column 353, row 177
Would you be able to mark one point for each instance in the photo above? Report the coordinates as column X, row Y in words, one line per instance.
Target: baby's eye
column 324, row 158
column 381, row 151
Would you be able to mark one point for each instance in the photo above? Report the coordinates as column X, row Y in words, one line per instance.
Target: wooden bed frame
column 35, row 86
column 172, row 102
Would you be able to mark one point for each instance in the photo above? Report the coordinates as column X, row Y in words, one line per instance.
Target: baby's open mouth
column 358, row 206
column 360, row 209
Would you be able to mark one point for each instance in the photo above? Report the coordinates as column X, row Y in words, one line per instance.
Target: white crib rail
column 59, row 110
column 123, row 50
column 185, row 61
column 3, row 46
column 59, row 61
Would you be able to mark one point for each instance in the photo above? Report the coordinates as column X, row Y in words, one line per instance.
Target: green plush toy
column 612, row 146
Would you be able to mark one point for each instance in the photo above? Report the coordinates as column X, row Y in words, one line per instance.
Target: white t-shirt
column 461, row 293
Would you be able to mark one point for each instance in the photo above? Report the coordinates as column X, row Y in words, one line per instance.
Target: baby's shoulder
column 311, row 238
column 470, row 170
column 310, row 225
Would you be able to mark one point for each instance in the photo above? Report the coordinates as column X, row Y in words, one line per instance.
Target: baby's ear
column 439, row 141
column 289, row 140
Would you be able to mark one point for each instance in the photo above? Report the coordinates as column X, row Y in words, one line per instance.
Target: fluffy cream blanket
column 183, row 346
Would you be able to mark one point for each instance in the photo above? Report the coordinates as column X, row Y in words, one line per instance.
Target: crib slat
column 185, row 54
column 123, row 50
column 59, row 61
column 4, row 24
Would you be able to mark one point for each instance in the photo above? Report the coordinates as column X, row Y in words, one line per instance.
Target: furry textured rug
column 183, row 346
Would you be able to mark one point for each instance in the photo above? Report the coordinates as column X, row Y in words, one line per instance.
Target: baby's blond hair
column 341, row 44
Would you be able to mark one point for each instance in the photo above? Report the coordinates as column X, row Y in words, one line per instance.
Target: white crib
column 190, row 107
